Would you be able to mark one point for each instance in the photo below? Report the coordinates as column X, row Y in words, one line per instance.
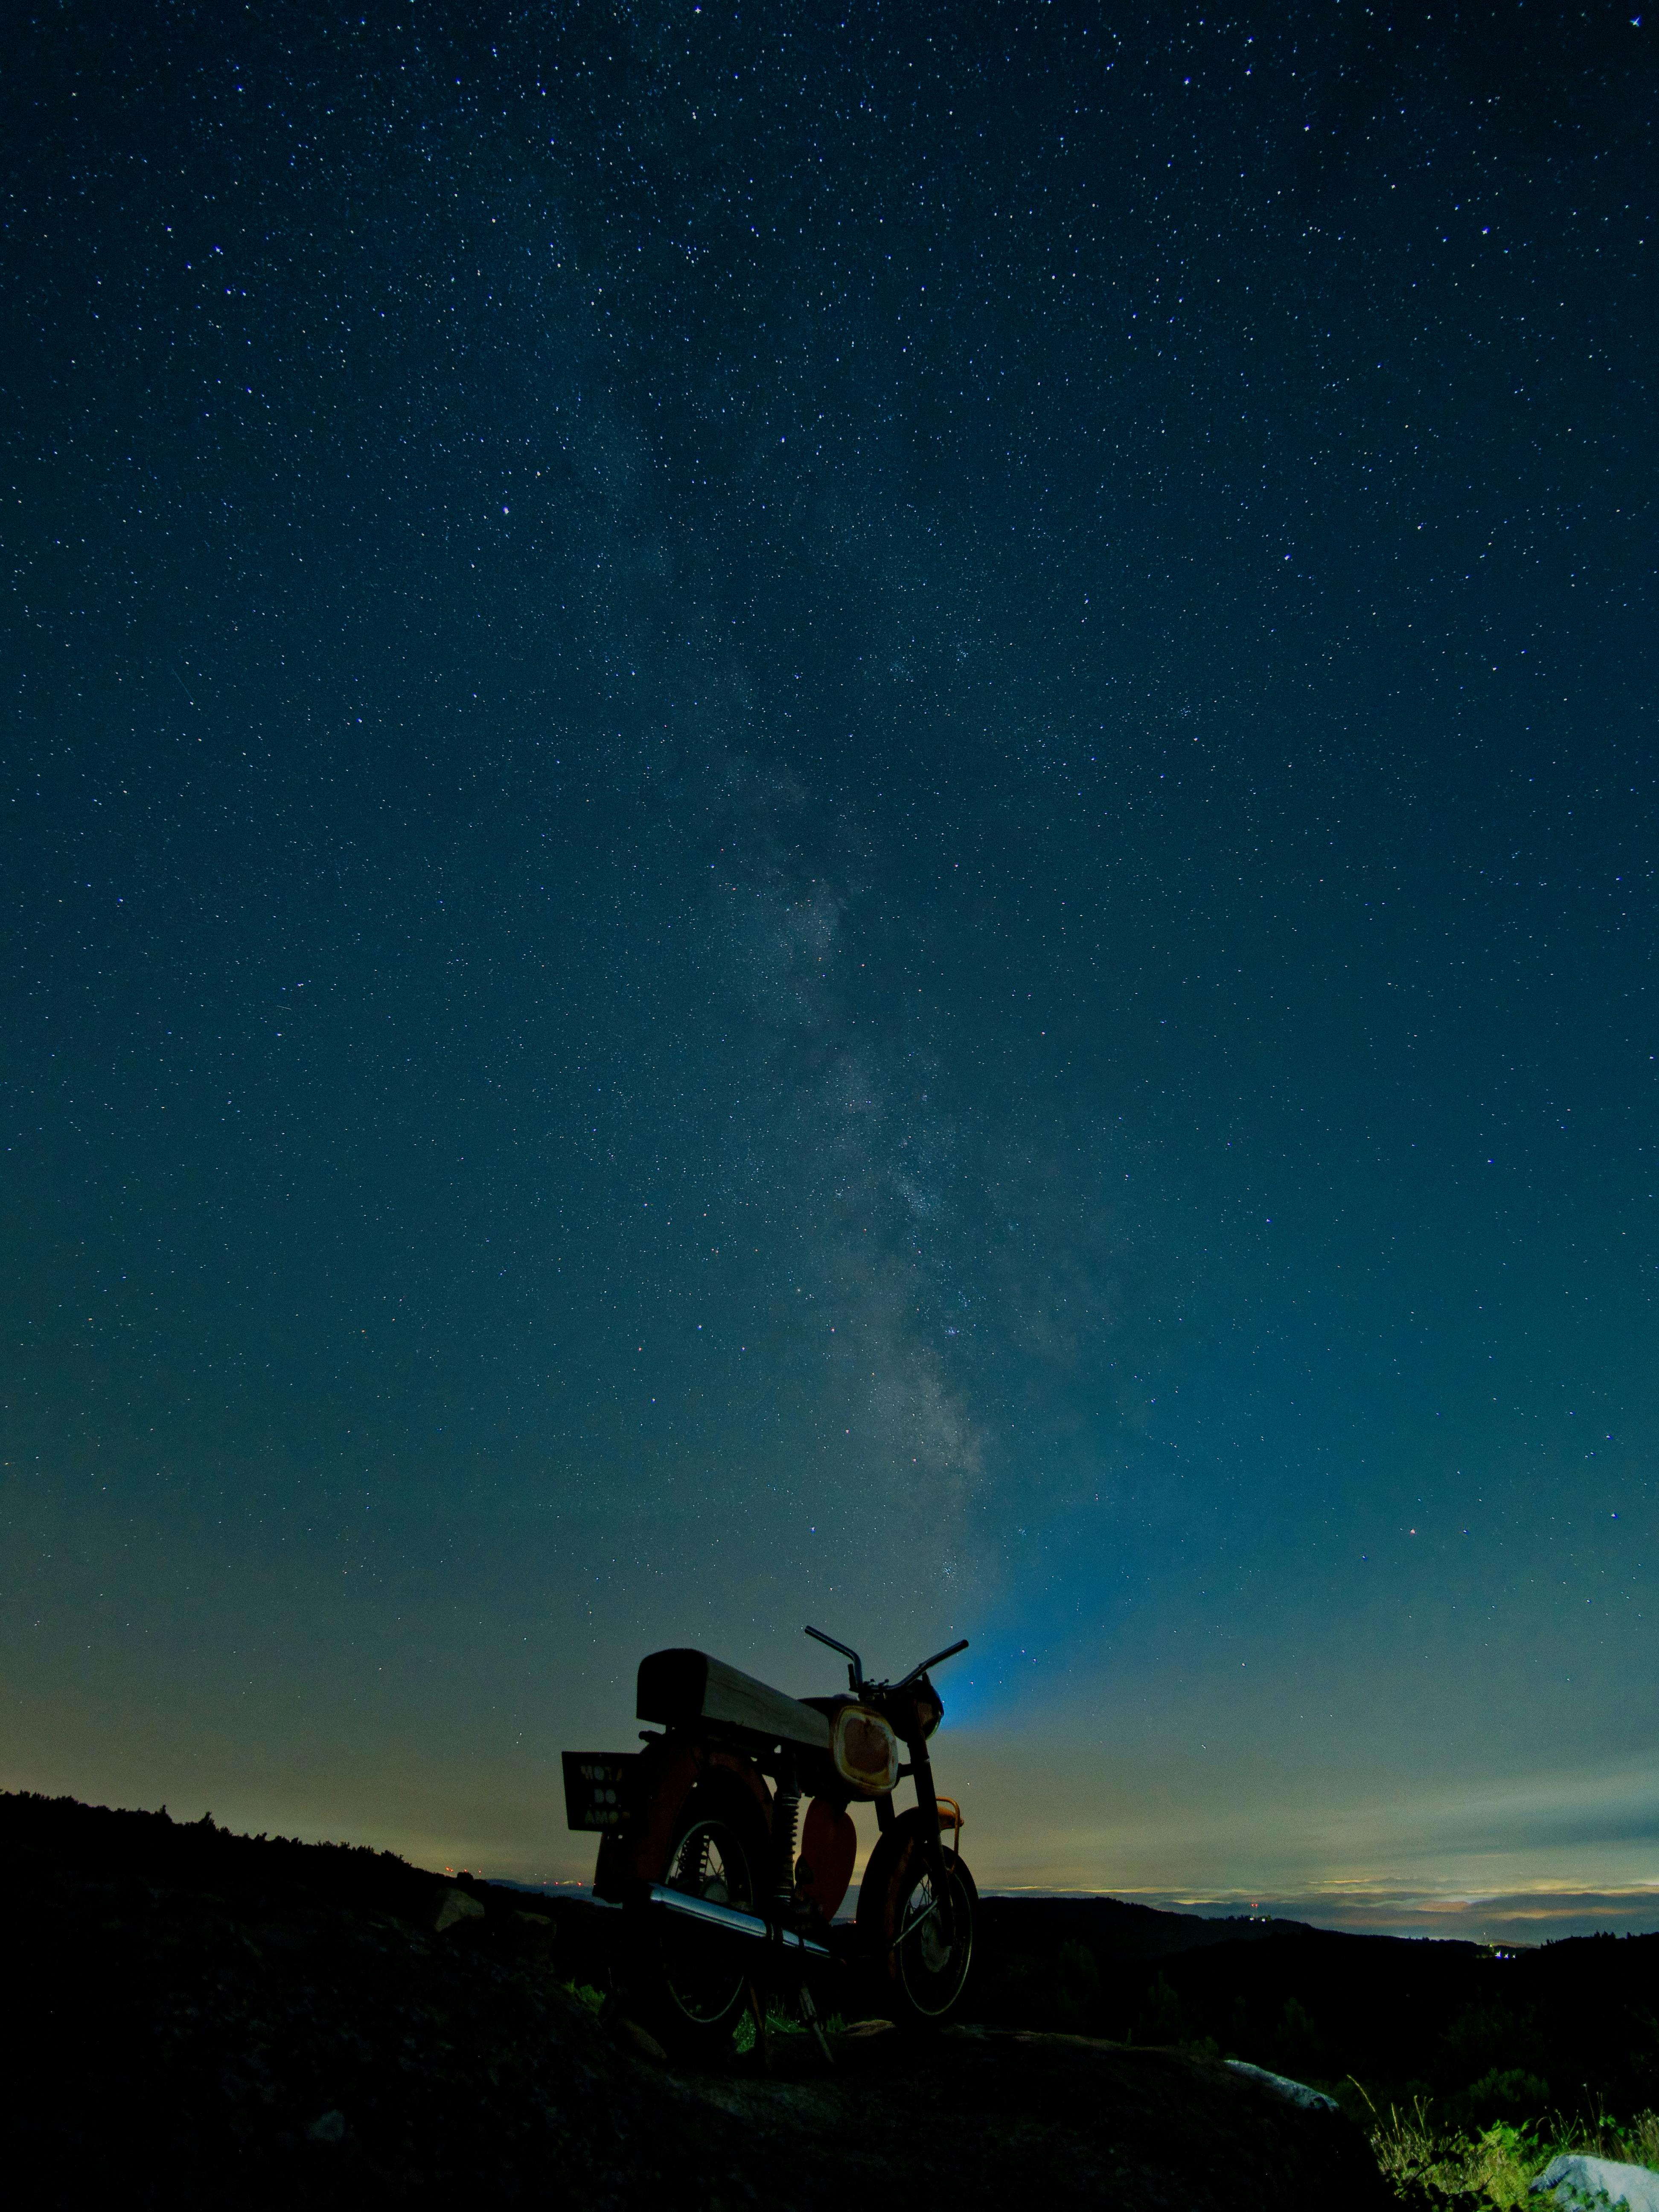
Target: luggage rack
column 950, row 1810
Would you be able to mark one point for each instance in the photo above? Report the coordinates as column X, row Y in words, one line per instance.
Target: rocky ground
column 205, row 2016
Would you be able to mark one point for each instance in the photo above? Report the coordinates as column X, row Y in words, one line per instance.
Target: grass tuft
column 1430, row 2164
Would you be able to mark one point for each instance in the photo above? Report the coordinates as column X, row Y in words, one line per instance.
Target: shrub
column 1077, row 1988
column 1163, row 2018
column 1502, row 2094
column 1298, row 2047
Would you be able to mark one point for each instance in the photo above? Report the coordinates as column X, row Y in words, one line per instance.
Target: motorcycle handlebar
column 846, row 1653
column 950, row 1652
column 857, row 1664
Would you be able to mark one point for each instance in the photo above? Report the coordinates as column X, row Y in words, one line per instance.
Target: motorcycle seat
column 680, row 1688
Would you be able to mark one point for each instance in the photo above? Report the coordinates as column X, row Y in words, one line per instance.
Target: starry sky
column 840, row 814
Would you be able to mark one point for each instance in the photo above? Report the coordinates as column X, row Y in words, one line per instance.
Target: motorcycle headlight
column 866, row 1751
column 927, row 1708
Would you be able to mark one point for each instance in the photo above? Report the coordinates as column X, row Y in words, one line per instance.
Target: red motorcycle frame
column 699, row 1849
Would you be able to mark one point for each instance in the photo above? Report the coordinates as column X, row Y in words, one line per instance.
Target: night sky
column 840, row 815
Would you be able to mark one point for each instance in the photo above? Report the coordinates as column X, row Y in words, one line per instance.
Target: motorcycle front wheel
column 690, row 1986
column 920, row 1955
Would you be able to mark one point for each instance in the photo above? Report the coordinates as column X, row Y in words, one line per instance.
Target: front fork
column 933, row 1851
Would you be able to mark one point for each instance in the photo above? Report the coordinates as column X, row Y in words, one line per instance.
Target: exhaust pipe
column 727, row 1919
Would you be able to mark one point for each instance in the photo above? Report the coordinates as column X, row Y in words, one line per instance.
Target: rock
column 457, row 1906
column 633, row 2037
column 1311, row 2100
column 984, row 2118
column 327, row 2128
column 1578, row 2181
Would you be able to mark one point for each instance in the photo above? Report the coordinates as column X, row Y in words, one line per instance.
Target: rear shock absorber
column 785, row 1816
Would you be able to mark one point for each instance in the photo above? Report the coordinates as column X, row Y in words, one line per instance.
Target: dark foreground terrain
column 210, row 2018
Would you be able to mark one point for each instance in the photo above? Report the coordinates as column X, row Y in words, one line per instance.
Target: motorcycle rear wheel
column 920, row 1969
column 688, row 1985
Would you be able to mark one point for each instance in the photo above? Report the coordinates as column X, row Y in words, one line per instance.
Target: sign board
column 596, row 1788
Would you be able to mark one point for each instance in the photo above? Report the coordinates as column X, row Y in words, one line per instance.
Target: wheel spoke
column 917, row 1920
column 698, row 1977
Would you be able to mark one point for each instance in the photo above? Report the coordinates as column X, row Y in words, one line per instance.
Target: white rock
column 1585, row 2182
column 1313, row 2100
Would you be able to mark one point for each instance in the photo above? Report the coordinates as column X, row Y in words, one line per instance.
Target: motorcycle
column 720, row 1906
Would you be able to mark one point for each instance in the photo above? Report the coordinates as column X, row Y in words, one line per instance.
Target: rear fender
column 669, row 1769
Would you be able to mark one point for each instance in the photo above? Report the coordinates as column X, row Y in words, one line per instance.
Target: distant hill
column 1120, row 1929
column 1493, row 2035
